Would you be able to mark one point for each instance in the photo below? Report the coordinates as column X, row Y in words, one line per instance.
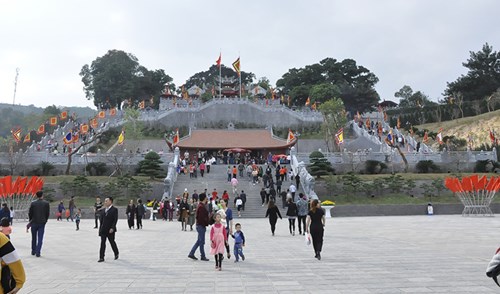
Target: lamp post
column 297, row 135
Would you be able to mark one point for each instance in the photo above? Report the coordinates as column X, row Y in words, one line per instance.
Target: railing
column 171, row 177
column 306, row 180
column 412, row 157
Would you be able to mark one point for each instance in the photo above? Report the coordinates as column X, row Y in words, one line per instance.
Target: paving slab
column 399, row 254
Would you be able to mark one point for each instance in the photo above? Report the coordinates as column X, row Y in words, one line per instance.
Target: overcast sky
column 420, row 43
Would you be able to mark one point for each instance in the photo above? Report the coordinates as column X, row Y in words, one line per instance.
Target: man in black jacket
column 38, row 216
column 108, row 228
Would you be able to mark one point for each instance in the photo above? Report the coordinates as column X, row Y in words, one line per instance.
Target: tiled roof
column 222, row 139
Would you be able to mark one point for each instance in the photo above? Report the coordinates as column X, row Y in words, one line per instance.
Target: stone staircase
column 217, row 178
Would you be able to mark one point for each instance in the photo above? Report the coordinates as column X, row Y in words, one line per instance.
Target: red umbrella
column 237, row 150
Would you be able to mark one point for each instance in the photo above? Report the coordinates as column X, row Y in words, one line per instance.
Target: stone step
column 217, row 178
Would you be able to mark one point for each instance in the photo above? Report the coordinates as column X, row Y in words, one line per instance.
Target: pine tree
column 319, row 165
column 150, row 166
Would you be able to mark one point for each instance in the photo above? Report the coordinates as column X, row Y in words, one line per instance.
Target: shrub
column 150, row 166
column 319, row 166
column 485, row 166
column 374, row 167
column 46, row 167
column 426, row 166
column 96, row 168
column 351, row 183
column 394, row 183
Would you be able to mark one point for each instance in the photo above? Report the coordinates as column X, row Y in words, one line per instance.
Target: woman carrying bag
column 316, row 226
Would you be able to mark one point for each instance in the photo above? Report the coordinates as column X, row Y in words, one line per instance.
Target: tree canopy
column 329, row 78
column 408, row 98
column 117, row 76
column 209, row 77
column 482, row 79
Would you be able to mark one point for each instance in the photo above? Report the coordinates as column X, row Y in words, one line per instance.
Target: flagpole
column 239, row 57
column 220, row 77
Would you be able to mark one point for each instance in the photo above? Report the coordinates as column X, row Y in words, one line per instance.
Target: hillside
column 31, row 109
column 478, row 126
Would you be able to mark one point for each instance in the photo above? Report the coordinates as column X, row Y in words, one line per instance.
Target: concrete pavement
column 404, row 254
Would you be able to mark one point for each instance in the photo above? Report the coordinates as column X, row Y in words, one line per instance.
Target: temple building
column 250, row 140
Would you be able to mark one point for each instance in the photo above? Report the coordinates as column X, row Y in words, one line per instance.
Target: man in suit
column 38, row 216
column 108, row 228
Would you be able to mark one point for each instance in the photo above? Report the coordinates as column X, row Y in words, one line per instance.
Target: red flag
column 64, row 115
column 219, row 60
column 176, row 138
column 426, row 137
column 102, row 114
column 41, row 129
column 84, row 128
column 308, row 101
column 94, row 123
column 291, row 136
column 236, row 66
column 16, row 134
column 142, row 104
column 112, row 112
column 27, row 138
column 492, row 136
column 53, row 121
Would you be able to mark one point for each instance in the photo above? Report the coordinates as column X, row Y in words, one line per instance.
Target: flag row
column 20, row 186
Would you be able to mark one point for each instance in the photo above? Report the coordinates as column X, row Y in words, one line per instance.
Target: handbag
column 493, row 269
column 308, row 239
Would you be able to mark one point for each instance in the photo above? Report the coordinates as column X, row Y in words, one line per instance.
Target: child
column 239, row 242
column 219, row 240
column 5, row 228
column 78, row 216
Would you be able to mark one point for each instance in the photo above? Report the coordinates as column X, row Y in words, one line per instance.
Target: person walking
column 38, row 215
column 244, row 199
column 184, row 213
column 202, row 169
column 108, row 228
column 130, row 212
column 263, row 196
column 192, row 210
column 97, row 211
column 302, row 211
column 316, row 226
column 201, row 228
column 71, row 207
column 227, row 219
column 218, row 238
column 78, row 216
column 140, row 212
column 234, row 185
column 273, row 213
column 293, row 189
column 60, row 210
column 292, row 215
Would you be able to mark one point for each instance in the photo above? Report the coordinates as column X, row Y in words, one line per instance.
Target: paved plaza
column 409, row 254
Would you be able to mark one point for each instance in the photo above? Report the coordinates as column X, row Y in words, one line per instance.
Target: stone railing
column 171, row 177
column 306, row 179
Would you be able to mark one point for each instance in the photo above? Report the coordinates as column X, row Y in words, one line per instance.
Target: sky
column 420, row 43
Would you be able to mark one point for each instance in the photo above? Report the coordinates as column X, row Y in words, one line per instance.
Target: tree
column 334, row 118
column 117, row 76
column 408, row 98
column 91, row 140
column 319, row 166
column 355, row 84
column 482, row 79
column 323, row 92
column 150, row 166
column 209, row 77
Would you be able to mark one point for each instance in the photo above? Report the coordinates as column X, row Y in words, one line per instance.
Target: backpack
column 493, row 269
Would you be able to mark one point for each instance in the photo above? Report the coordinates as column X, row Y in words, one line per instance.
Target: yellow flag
column 121, row 138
